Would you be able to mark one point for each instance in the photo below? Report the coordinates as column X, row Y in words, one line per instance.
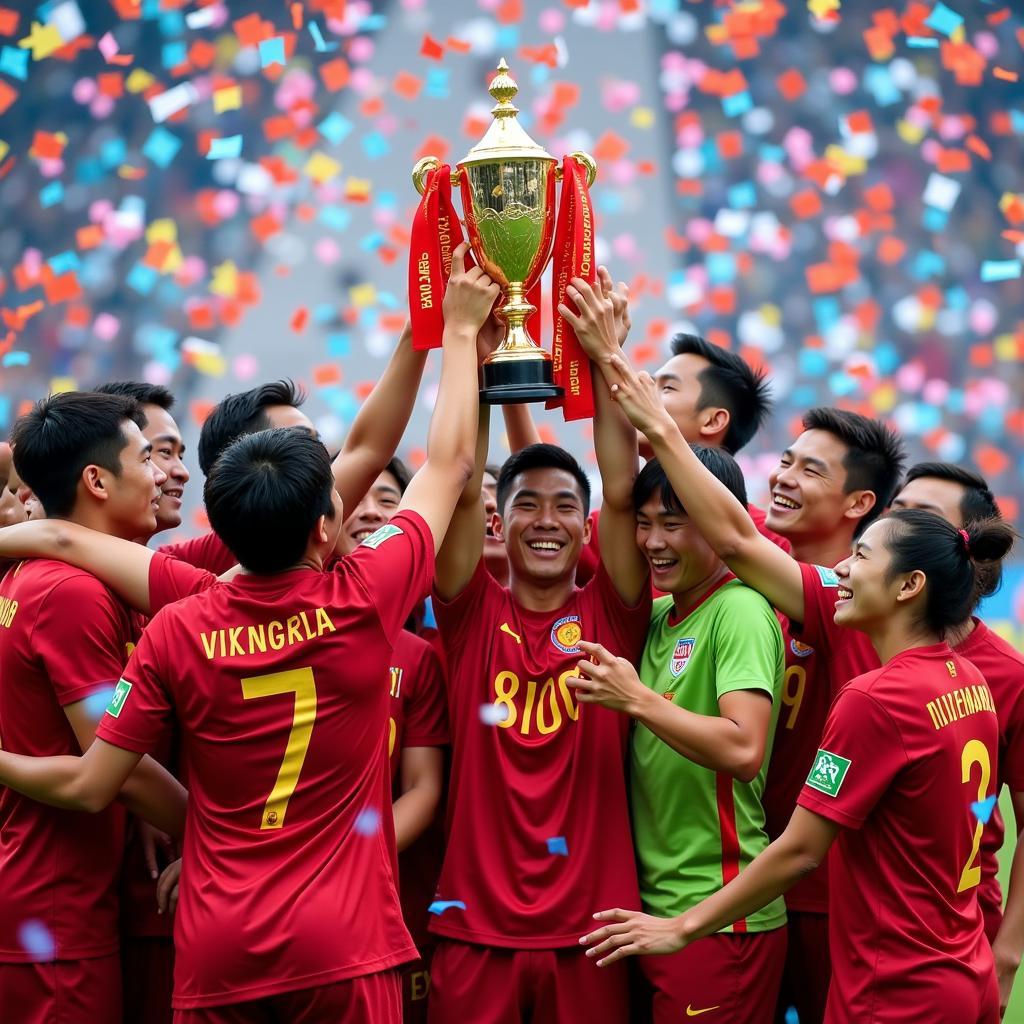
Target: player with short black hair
column 906, row 753
column 64, row 640
column 705, row 700
column 288, row 906
column 731, row 392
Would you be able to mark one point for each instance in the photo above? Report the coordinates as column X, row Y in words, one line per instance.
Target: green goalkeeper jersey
column 696, row 829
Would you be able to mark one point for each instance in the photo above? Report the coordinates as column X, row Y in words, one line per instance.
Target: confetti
column 440, row 906
column 367, row 822
column 37, row 941
column 557, row 845
column 221, row 148
column 982, row 809
column 1000, row 270
column 493, row 714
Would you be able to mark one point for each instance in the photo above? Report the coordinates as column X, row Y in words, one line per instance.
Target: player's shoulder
column 411, row 648
column 49, row 578
column 992, row 646
column 735, row 598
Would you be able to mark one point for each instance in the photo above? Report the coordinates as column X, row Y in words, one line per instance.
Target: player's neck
column 958, row 634
column 684, row 601
column 541, row 595
column 895, row 635
column 93, row 518
column 827, row 550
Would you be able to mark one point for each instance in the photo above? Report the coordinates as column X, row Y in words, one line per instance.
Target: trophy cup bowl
column 507, row 183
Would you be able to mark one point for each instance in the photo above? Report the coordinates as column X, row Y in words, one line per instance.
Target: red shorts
column 808, row 970
column 737, row 975
column 372, row 997
column 490, row 985
column 147, row 978
column 61, row 991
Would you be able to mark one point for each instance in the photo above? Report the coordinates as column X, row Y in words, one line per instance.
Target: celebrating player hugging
column 461, row 748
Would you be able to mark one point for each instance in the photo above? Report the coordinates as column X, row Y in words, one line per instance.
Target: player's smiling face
column 867, row 595
column 680, row 390
column 808, row 498
column 679, row 557
column 168, row 448
column 543, row 526
column 377, row 507
column 133, row 495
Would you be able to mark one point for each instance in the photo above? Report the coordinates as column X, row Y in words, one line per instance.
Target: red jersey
column 205, row 552
column 907, row 749
column 820, row 658
column 419, row 715
column 278, row 685
column 64, row 638
column 1002, row 665
column 538, row 825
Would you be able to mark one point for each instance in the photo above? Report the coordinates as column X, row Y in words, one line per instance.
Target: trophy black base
column 518, row 381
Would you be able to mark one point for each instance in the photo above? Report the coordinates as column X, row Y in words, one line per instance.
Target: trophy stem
column 517, row 344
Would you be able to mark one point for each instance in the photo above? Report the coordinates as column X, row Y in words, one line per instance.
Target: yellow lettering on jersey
column 239, row 641
column 396, row 681
column 959, row 703
column 8, row 609
column 539, row 707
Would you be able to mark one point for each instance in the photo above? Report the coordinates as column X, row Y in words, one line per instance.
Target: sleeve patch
column 828, row 772
column 827, row 576
column 386, row 532
column 120, row 696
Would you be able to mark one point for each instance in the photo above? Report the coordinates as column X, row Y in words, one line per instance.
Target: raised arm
column 724, row 522
column 122, row 565
column 380, row 423
column 463, row 545
column 615, row 442
column 435, row 489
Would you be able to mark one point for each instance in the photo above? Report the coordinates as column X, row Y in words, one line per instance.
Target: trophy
column 508, row 198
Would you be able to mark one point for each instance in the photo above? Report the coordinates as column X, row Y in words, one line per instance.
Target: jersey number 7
column 297, row 681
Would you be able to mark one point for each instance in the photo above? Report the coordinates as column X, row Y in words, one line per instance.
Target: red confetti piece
column 299, row 319
column 431, row 48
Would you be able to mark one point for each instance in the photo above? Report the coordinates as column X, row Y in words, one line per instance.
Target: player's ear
column 497, row 526
column 588, row 529
column 93, row 479
column 320, row 530
column 859, row 504
column 716, row 421
column 912, row 585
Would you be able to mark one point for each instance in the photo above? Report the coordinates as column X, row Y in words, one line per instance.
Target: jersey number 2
column 974, row 753
column 298, row 681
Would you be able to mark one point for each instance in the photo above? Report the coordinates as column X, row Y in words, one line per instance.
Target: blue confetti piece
column 142, row 278
column 338, row 345
column 36, row 940
column 983, row 808
column 928, row 264
column 368, row 822
column 558, row 846
column 225, row 148
column 334, row 127
column 440, row 906
column 721, row 267
column 429, row 619
column 174, row 54
column 14, row 62
column 63, row 262
column 878, row 81
column 742, row 195
column 335, row 217
column 1017, row 121
column 436, row 85
column 113, row 152
column 161, row 147
column 736, row 104
column 5, row 410
column 321, row 44
column 792, row 1017
column 52, row 194
column 934, row 219
column 812, row 362
column 272, row 51
column 923, row 42
column 943, row 20
column 16, row 359
column 1000, row 270
column 97, row 703
column 375, row 145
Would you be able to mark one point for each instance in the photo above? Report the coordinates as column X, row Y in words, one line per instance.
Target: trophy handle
column 585, row 159
column 421, row 170
column 425, row 166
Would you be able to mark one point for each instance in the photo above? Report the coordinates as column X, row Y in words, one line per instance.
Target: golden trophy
column 508, row 198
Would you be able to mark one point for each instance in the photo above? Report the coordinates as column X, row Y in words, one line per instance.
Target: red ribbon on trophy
column 436, row 233
column 573, row 257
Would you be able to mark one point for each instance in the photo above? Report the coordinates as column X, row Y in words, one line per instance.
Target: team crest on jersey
column 801, row 650
column 682, row 654
column 566, row 634
column 119, row 697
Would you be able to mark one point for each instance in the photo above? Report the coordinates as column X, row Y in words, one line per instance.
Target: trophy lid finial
column 503, row 88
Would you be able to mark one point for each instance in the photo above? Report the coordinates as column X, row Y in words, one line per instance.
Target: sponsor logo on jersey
column 951, row 669
column 118, row 699
column 682, row 654
column 506, row 628
column 801, row 650
column 828, row 772
column 566, row 633
column 828, row 577
column 386, row 532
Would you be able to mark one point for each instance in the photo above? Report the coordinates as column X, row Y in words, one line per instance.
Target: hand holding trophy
column 508, row 197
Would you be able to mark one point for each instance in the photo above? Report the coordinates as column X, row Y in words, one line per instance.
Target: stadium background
column 209, row 195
